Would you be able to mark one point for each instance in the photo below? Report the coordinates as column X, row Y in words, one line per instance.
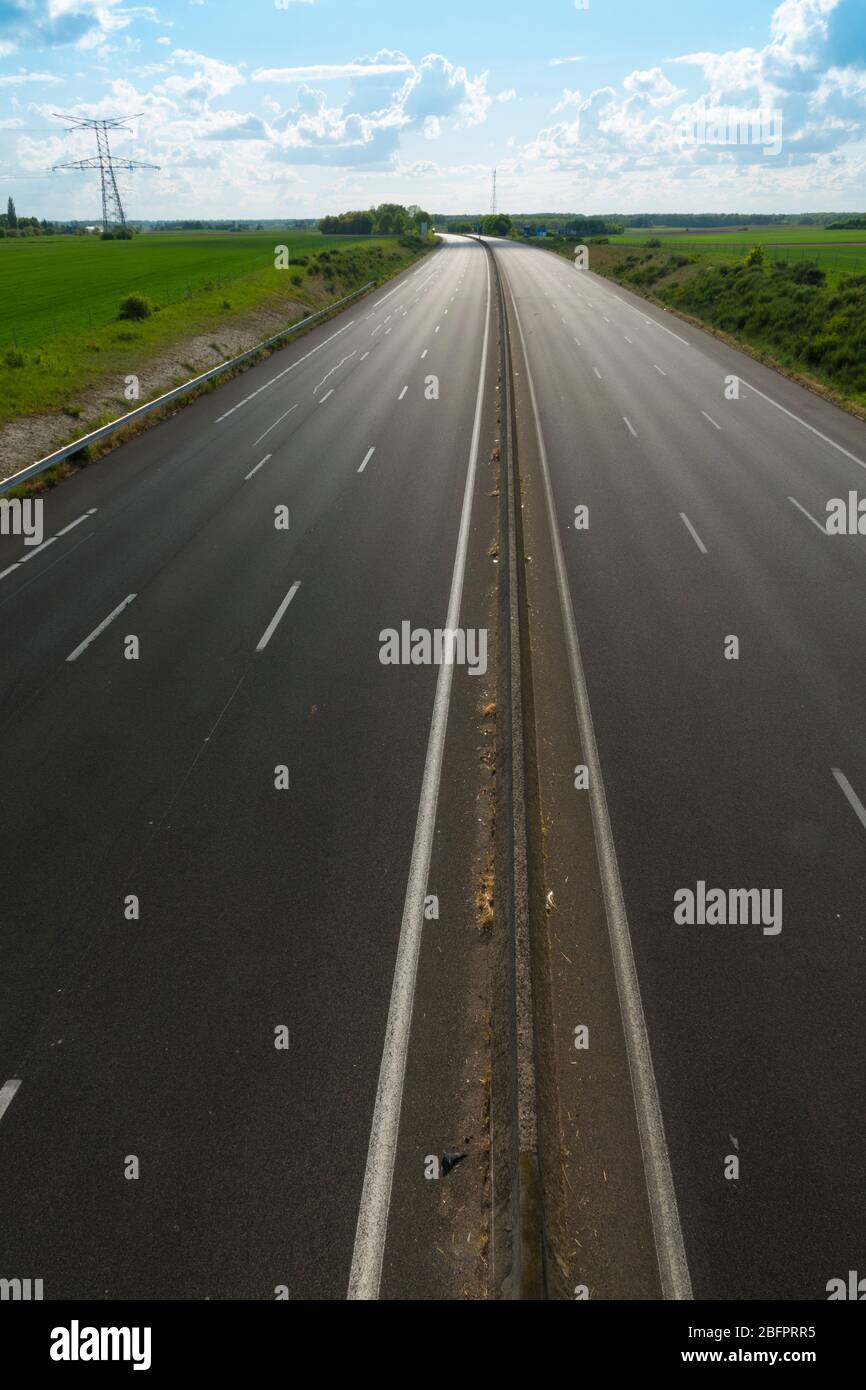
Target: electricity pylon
column 105, row 162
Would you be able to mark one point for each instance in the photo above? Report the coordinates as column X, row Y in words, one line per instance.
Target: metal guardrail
column 77, row 445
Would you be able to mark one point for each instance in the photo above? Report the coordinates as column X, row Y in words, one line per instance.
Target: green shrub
column 135, row 306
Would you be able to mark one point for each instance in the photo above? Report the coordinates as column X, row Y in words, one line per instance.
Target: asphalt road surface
column 705, row 523
column 168, row 907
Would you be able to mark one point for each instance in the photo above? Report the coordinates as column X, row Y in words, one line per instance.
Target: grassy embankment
column 60, row 335
column 796, row 305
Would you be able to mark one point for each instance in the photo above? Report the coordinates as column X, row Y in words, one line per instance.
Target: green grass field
column 51, row 287
column 764, row 236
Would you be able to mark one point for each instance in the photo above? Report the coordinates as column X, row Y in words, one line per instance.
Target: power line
column 105, row 162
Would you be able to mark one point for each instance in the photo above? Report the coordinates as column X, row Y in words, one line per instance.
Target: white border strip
column 670, row 1250
column 372, row 1228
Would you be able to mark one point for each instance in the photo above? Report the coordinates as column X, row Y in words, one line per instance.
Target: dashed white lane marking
column 628, row 340
column 327, row 396
column 77, row 522
column 853, row 799
column 806, row 425
column 436, row 329
column 424, row 354
column 369, row 454
column 630, row 426
column 257, row 467
column 280, row 375
column 372, row 1228
column 710, row 418
column 82, row 646
column 7, row 1094
column 654, row 322
column 274, row 425
column 31, row 554
column 272, row 625
column 402, row 393
column 387, row 331
column 605, row 317
column 376, row 329
column 809, row 515
column 693, row 533
column 658, row 369
column 597, row 372
column 340, row 364
column 579, row 344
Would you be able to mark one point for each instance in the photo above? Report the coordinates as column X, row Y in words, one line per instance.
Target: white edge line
column 693, row 533
column 7, row 1094
column 280, row 375
column 710, row 418
column 670, row 1250
column 327, row 396
column 372, row 1228
column 97, row 631
column 801, row 508
column 272, row 625
column 805, row 424
column 853, row 799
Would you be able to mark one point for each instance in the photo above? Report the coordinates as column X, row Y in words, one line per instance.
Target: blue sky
column 267, row 108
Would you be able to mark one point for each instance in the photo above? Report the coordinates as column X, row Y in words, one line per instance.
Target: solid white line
column 402, row 393
column 369, row 454
column 805, row 424
column 7, row 1094
column 274, row 426
column 372, row 1227
column 670, row 1250
column 280, row 375
column 3, row 573
column 856, row 804
column 272, row 625
column 821, row 528
column 82, row 646
column 327, row 396
column 658, row 368
column 258, row 466
column 710, row 418
column 630, row 425
column 694, row 535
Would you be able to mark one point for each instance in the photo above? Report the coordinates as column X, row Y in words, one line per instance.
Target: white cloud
column 558, row 62
column 327, row 72
column 18, row 79
column 508, row 95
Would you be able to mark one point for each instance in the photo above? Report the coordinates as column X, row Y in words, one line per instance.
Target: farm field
column 53, row 286
column 765, row 236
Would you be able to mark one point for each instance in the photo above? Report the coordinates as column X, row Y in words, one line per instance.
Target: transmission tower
column 493, row 197
column 105, row 162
